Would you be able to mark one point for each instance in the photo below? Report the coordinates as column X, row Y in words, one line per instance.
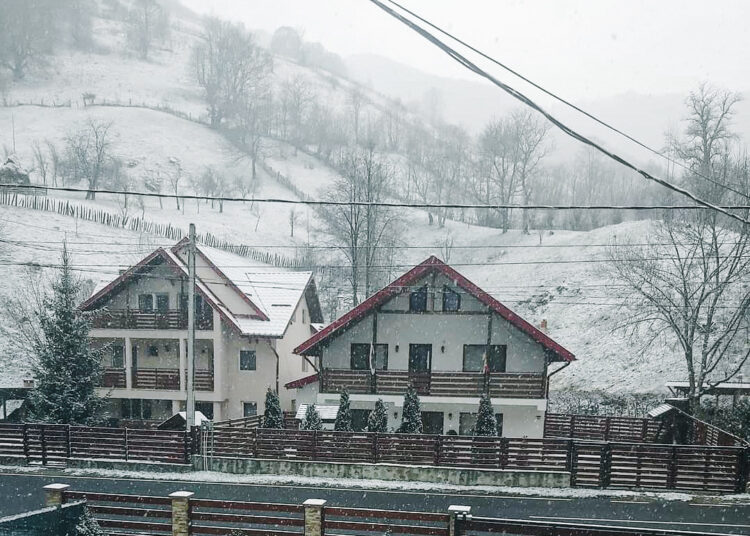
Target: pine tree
column 344, row 416
column 377, row 421
column 87, row 525
column 67, row 369
column 272, row 418
column 411, row 418
column 312, row 419
column 486, row 422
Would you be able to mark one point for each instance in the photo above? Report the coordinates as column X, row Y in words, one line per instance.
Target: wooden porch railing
column 134, row 319
column 395, row 382
column 156, row 378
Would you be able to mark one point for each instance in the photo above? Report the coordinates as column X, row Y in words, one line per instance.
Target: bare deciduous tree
column 365, row 234
column 149, row 20
column 27, row 31
column 691, row 284
column 228, row 65
column 88, row 153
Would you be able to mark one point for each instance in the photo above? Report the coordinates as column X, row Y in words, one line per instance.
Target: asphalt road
column 21, row 492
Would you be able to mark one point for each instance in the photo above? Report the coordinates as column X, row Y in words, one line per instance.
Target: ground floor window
column 207, row 408
column 138, row 409
column 249, row 409
column 432, row 422
column 468, row 421
column 359, row 419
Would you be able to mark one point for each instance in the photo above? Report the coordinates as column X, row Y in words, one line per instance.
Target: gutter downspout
column 277, row 363
column 555, row 372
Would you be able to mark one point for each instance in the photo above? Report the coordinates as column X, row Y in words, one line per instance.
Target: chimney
column 543, row 325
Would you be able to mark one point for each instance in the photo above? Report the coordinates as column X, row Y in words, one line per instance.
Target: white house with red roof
column 249, row 318
column 436, row 330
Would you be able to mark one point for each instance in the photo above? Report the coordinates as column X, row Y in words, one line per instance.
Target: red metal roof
column 430, row 265
column 307, row 380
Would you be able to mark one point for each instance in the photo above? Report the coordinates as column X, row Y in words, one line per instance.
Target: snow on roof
column 327, row 413
column 199, row 417
column 658, row 411
column 275, row 294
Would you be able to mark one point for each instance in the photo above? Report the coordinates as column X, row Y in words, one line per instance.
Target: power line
column 702, row 205
column 564, row 101
column 566, row 129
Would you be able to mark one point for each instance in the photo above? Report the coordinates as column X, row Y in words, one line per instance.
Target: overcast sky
column 582, row 49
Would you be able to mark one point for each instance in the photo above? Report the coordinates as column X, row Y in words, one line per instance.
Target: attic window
column 418, row 300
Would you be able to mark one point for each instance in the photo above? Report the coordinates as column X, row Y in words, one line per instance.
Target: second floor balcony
column 136, row 319
column 162, row 379
column 435, row 383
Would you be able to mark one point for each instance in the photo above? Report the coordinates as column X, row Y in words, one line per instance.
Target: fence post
column 315, row 445
column 743, row 471
column 438, row 443
column 504, row 449
column 26, row 441
column 607, row 422
column 672, row 469
column 54, row 494
column 181, row 512
column 459, row 515
column 125, row 446
column 67, row 442
column 43, row 441
column 605, row 465
column 314, row 517
column 186, row 446
column 375, row 447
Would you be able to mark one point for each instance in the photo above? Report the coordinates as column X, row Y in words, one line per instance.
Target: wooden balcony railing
column 156, row 378
column 113, row 377
column 204, row 379
column 133, row 319
column 395, row 382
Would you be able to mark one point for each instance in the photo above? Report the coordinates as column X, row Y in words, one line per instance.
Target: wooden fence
column 601, row 427
column 50, row 444
column 592, row 464
column 182, row 514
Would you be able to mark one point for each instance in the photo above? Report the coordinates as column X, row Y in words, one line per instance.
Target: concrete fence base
column 393, row 472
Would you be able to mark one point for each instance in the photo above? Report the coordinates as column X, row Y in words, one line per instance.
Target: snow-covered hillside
column 558, row 280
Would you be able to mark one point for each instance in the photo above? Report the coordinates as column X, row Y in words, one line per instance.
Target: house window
column 135, row 408
column 418, row 300
column 420, row 357
column 247, row 359
column 360, row 356
column 207, row 408
column 474, row 357
column 146, row 303
column 432, row 422
column 162, row 303
column 118, row 356
column 467, row 422
column 202, row 309
column 249, row 409
column 451, row 300
column 359, row 419
column 303, row 316
column 153, row 350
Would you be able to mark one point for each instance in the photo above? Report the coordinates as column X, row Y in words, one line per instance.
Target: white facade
column 477, row 321
column 145, row 352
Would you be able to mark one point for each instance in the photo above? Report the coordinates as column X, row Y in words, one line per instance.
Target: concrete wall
column 293, row 366
column 414, row 473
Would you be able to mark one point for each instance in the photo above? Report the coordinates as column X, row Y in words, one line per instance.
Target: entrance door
column 420, row 363
column 432, row 422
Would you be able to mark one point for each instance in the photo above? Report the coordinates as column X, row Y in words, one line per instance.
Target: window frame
column 412, row 348
column 245, row 404
column 503, row 355
column 414, row 294
column 120, row 357
column 157, row 297
column 255, row 360
column 141, row 300
column 378, row 346
column 447, row 291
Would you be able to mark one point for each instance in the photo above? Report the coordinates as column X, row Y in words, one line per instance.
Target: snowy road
column 24, row 492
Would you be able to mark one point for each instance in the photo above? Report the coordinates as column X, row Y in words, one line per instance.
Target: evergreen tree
column 344, row 416
column 411, row 418
column 377, row 421
column 486, row 421
column 67, row 369
column 312, row 419
column 272, row 418
column 87, row 525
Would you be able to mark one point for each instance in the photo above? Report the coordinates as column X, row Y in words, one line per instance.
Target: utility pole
column 190, row 406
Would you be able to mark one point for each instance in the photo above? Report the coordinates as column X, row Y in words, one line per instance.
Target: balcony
column 395, row 382
column 113, row 377
column 165, row 379
column 135, row 319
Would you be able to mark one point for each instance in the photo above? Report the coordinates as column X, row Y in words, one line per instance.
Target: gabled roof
column 273, row 296
column 433, row 265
